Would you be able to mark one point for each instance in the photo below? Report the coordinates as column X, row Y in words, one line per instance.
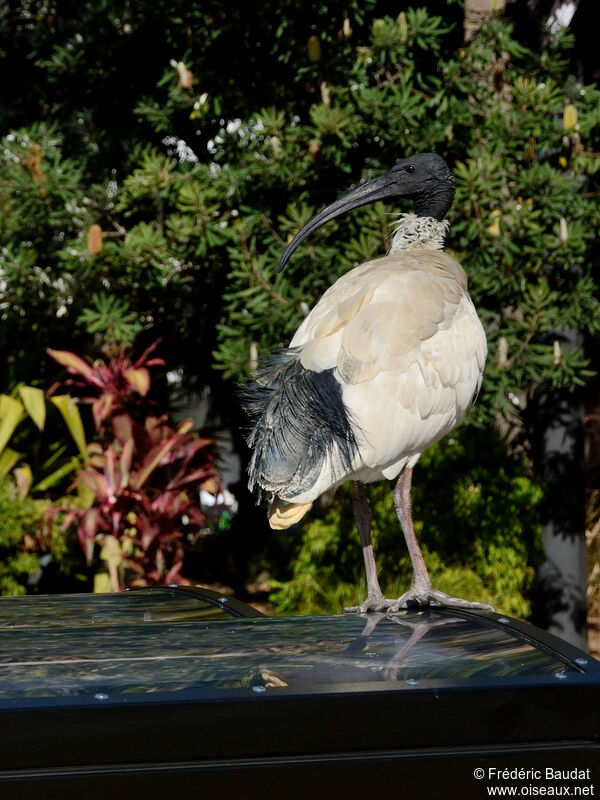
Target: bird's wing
column 375, row 317
column 410, row 363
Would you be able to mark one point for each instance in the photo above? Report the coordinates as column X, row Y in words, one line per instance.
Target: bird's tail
column 298, row 424
column 283, row 515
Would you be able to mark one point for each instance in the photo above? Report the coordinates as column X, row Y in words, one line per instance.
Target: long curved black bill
column 377, row 189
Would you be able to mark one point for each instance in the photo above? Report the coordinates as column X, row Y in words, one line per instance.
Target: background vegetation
column 157, row 157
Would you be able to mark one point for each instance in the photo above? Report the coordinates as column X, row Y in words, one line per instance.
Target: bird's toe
column 444, row 599
column 427, row 596
column 372, row 603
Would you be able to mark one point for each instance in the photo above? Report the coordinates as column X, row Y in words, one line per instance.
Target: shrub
column 19, row 521
column 139, row 490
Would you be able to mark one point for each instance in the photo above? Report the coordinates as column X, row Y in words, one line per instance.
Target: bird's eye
column 409, row 168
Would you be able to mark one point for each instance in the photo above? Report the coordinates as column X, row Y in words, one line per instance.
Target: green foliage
column 529, row 279
column 51, row 457
column 112, row 318
column 18, row 524
column 202, row 210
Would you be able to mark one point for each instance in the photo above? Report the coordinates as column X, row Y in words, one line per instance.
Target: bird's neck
column 413, row 232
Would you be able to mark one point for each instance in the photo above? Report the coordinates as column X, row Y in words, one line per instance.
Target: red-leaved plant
column 143, row 476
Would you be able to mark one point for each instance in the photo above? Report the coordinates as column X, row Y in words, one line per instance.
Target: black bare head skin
column 426, row 180
column 423, row 178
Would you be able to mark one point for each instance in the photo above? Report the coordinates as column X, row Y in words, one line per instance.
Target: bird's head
column 423, row 178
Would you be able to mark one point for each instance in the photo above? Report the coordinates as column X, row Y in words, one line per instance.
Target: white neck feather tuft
column 414, row 232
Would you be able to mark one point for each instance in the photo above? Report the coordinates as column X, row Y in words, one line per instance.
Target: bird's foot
column 374, row 602
column 426, row 595
column 418, row 596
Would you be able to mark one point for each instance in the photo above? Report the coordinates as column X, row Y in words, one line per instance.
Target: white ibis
column 385, row 364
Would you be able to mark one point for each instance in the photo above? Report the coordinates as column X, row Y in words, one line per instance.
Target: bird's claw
column 374, row 602
column 415, row 597
column 428, row 596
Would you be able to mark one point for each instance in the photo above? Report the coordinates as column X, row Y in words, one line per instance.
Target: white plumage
column 402, row 349
column 408, row 350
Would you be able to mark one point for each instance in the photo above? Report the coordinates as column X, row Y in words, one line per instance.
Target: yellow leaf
column 139, row 379
column 494, row 228
column 72, row 417
column 7, row 461
column 314, row 48
column 85, row 495
column 73, row 363
column 563, row 231
column 558, row 356
column 111, row 553
column 35, row 404
column 569, row 117
column 11, row 413
column 403, row 26
column 502, row 358
column 102, row 583
column 101, row 408
column 111, row 550
column 186, row 77
column 210, row 485
column 24, row 478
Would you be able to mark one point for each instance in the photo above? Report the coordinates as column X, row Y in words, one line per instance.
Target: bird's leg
column 421, row 591
column 363, row 516
column 403, row 506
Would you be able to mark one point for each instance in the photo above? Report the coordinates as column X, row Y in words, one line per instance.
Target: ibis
column 387, row 362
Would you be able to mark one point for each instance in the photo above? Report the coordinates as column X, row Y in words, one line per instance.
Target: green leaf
column 35, row 404
column 57, row 476
column 110, row 316
column 102, row 583
column 8, row 459
column 11, row 413
column 72, row 417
